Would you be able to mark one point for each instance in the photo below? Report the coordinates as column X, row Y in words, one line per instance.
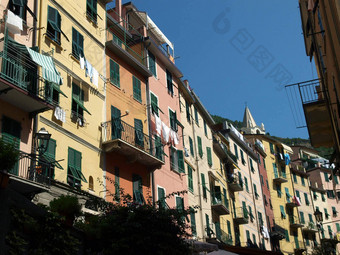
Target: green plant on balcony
column 66, row 206
column 8, row 155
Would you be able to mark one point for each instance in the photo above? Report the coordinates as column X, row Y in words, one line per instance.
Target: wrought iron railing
column 118, row 129
column 20, row 70
column 30, row 167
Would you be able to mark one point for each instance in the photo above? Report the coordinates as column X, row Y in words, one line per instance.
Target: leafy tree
column 8, row 155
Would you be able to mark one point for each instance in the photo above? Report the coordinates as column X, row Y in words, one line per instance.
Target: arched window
column 91, row 185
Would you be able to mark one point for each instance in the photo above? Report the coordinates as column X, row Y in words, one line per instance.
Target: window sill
column 91, row 20
column 56, row 44
column 137, row 100
column 75, row 59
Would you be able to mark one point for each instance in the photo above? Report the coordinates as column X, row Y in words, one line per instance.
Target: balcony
column 241, row 216
column 20, row 84
column 235, row 184
column 315, row 110
column 310, row 227
column 290, row 202
column 31, row 174
column 220, row 204
column 220, row 149
column 294, row 222
column 122, row 138
column 280, row 177
column 278, row 232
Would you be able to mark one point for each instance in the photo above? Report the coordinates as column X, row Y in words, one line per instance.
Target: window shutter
column 302, row 217
column 193, row 223
column 190, row 180
column 180, row 161
column 71, row 157
column 199, row 142
column 187, row 108
column 77, row 160
column 191, row 146
column 209, row 156
column 137, row 89
column 203, row 185
column 236, row 151
column 229, row 227
column 154, row 104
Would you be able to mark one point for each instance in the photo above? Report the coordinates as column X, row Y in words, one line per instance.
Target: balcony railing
column 220, row 203
column 294, row 221
column 310, row 227
column 241, row 215
column 30, row 167
column 119, row 130
column 280, row 177
column 19, row 69
column 235, row 183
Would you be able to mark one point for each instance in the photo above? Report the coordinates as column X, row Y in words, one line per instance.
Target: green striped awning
column 49, row 71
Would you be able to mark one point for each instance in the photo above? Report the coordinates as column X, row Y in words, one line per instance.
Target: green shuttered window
column 154, row 104
column 199, row 144
column 152, row 63
column 53, row 24
column 74, row 174
column 209, row 158
column 137, row 93
column 169, row 82
column 114, row 73
column 91, row 10
column 161, row 198
column 77, row 44
column 190, row 179
column 204, row 186
column 191, row 146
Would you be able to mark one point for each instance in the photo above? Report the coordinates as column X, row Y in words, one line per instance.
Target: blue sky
column 237, row 52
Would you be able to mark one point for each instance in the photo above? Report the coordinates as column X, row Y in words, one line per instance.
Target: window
column 209, row 156
column 173, row 120
column 282, row 209
column 52, row 91
column 196, row 115
column 180, row 204
column 91, row 10
column 267, row 184
column 74, row 174
column 260, row 218
column 191, row 146
column 246, row 183
column 326, row 177
column 205, row 128
column 334, row 211
column 302, row 218
column 18, row 7
column 272, row 151
column 78, row 107
column 248, row 235
column 117, row 185
column 261, row 178
column 154, row 104
column 229, row 227
column 242, row 158
column 323, row 197
column 255, row 192
column 264, row 163
column 258, row 158
column 315, row 196
column 337, row 227
column 303, row 181
column 49, row 157
column 288, row 196
column 187, row 110
column 114, row 73
column 254, row 239
column 199, row 143
column 139, row 135
column 152, row 63
column 53, row 24
column 306, row 199
column 77, row 44
column 176, row 160
column 278, row 190
column 91, row 187
column 326, row 214
column 310, row 217
column 330, row 194
column 236, row 151
column 204, row 186
column 159, row 147
column 294, row 178
column 137, row 187
column 193, row 222
column 190, row 179
column 251, row 165
column 265, row 199
column 298, row 195
column 137, row 93
column 161, row 197
column 169, row 83
column 330, row 232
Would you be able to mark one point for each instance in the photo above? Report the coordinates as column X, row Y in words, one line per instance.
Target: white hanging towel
column 57, row 113
column 265, row 232
column 82, row 62
column 176, row 138
column 95, row 77
column 166, row 132
column 63, row 115
column 158, row 123
column 88, row 71
column 14, row 23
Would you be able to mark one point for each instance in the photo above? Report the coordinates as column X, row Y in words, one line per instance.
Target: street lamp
column 42, row 139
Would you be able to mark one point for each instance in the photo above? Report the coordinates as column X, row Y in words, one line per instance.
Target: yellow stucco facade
column 80, row 130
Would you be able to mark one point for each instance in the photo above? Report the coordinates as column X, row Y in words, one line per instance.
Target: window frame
column 91, row 10
column 114, row 73
column 77, row 44
column 137, row 89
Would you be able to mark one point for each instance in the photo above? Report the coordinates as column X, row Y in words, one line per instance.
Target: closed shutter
column 275, row 170
column 154, row 104
column 199, row 143
column 169, row 82
column 191, row 146
column 283, row 214
column 326, row 177
column 77, row 44
column 116, row 124
column 137, row 188
column 117, row 193
column 193, row 223
column 236, row 150
column 310, row 217
column 246, row 183
column 306, row 198
column 161, row 198
column 137, row 93
column 287, row 235
column 180, row 161
column 190, row 180
column 114, row 73
column 91, row 9
column 187, row 108
column 209, row 156
column 139, row 136
column 204, row 186
column 302, row 218
column 152, row 63
column 196, row 115
column 228, row 227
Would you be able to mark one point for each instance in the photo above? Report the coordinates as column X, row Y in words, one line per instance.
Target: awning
column 287, row 148
column 49, row 71
column 81, row 105
column 77, row 174
column 57, row 88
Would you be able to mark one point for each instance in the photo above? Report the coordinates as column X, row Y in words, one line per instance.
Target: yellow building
column 73, row 33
